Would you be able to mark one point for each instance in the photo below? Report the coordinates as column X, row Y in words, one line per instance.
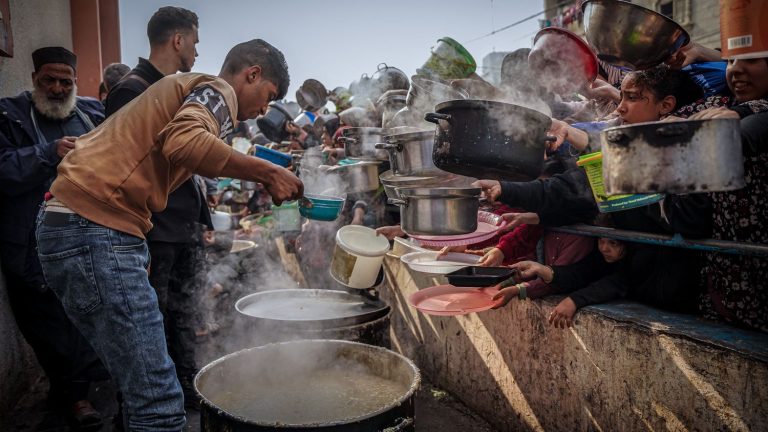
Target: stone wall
column 34, row 24
column 622, row 367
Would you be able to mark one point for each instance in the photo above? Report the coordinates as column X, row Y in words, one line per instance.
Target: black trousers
column 176, row 272
column 66, row 357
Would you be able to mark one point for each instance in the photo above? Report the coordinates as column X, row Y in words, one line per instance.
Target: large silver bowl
column 628, row 35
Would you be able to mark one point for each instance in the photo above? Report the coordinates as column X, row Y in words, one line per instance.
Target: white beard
column 53, row 109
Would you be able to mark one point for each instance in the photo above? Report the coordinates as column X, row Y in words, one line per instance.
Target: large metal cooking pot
column 386, row 78
column 489, row 139
column 360, row 143
column 390, row 103
column 362, row 176
column 410, row 151
column 629, row 35
column 673, row 157
column 438, row 211
column 392, row 183
column 311, row 95
column 272, row 123
column 310, row 385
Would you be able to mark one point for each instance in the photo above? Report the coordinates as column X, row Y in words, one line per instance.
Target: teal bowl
column 321, row 207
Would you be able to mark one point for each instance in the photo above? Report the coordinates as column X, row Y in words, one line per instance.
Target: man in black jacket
column 37, row 129
column 175, row 241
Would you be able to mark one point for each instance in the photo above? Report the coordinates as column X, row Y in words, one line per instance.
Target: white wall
column 34, row 24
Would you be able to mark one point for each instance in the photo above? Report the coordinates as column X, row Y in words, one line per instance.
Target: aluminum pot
column 673, row 157
column 628, row 35
column 362, row 176
column 410, row 153
column 489, row 139
column 438, row 211
column 312, row 95
column 308, row 385
column 360, row 143
column 392, row 183
column 272, row 123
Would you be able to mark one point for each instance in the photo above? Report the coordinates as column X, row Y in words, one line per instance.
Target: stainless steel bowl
column 628, row 35
column 438, row 211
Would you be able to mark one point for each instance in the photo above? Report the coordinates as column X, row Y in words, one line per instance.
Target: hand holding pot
column 284, row 186
column 514, row 220
column 600, row 89
column 390, row 232
column 491, row 189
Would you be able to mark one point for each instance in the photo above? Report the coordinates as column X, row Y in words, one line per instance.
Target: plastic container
column 480, row 276
column 449, row 60
column 428, row 262
column 274, row 156
column 742, row 29
column 593, row 165
column 561, row 61
column 357, row 256
column 321, row 207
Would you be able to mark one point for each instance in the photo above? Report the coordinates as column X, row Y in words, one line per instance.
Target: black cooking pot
column 272, row 123
column 489, row 140
column 280, row 387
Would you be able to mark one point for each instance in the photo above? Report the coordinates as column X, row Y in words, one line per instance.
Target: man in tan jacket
column 91, row 233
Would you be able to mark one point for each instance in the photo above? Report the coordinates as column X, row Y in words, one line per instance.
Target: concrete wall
column 605, row 374
column 35, row 24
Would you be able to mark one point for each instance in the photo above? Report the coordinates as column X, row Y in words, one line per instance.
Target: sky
column 335, row 41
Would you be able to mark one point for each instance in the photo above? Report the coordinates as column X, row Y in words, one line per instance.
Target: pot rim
column 439, row 192
column 666, row 123
column 490, row 104
column 415, row 383
column 641, row 9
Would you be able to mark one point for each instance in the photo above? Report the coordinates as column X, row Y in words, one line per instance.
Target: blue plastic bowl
column 320, row 207
column 274, row 156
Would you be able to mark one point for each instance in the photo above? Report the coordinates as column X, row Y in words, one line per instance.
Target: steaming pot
column 438, row 211
column 301, row 386
column 410, row 152
column 362, row 176
column 489, row 139
column 360, row 143
column 674, row 157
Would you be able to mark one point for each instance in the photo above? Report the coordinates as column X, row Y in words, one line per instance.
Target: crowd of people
column 93, row 188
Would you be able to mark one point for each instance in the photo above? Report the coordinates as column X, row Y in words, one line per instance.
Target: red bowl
column 557, row 54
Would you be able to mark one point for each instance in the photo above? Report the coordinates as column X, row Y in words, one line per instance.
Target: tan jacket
column 121, row 172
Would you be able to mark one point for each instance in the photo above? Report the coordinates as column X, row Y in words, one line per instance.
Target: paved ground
column 436, row 411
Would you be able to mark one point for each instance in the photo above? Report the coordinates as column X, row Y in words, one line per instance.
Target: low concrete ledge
column 623, row 367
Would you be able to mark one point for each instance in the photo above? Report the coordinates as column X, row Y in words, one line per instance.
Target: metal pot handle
column 398, row 202
column 616, row 137
column 378, row 68
column 347, row 140
column 672, row 129
column 434, row 117
column 404, row 423
column 389, row 147
column 550, row 138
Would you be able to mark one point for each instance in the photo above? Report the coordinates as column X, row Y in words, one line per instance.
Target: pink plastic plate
column 488, row 225
column 449, row 300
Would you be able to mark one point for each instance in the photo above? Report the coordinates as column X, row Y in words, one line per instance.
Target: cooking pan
column 489, row 139
column 673, row 157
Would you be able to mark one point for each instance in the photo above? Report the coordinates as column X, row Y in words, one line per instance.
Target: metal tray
column 475, row 276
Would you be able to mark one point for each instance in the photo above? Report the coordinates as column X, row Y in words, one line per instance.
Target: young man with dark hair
column 91, row 232
column 175, row 241
column 113, row 73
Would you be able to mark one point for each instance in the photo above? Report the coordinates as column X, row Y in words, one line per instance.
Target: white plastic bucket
column 357, row 256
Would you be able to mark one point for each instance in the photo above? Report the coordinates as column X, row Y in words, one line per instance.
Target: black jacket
column 27, row 168
column 187, row 206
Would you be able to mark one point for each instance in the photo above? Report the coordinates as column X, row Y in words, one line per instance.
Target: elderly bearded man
column 37, row 129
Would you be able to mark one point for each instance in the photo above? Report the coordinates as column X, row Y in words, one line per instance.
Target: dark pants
column 175, row 274
column 67, row 359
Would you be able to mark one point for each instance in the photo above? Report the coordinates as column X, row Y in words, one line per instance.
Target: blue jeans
column 100, row 276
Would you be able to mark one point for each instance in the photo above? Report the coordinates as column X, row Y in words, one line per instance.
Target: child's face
column 612, row 250
column 639, row 104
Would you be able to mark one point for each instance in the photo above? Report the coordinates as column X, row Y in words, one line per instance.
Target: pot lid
column 297, row 307
column 363, row 241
